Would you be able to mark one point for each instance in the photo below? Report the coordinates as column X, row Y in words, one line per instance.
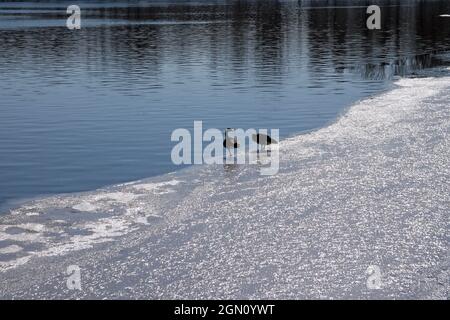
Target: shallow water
column 94, row 107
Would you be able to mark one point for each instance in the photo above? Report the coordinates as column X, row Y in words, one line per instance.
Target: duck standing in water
column 229, row 142
column 263, row 140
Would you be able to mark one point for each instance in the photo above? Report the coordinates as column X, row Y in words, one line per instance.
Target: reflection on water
column 86, row 108
column 403, row 66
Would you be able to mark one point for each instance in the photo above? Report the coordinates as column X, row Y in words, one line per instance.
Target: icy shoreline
column 370, row 189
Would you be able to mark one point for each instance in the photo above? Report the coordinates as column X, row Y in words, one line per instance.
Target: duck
column 263, row 140
column 229, row 142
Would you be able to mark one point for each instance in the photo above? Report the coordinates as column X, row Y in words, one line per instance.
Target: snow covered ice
column 370, row 189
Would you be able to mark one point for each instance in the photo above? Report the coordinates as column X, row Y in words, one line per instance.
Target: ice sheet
column 370, row 189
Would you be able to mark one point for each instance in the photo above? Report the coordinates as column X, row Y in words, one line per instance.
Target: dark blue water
column 80, row 109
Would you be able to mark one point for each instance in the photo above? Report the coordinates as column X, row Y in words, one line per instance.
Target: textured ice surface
column 371, row 189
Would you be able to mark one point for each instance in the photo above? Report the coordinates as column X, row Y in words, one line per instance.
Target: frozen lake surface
column 370, row 189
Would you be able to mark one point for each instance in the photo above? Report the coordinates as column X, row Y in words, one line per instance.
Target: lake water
column 81, row 109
